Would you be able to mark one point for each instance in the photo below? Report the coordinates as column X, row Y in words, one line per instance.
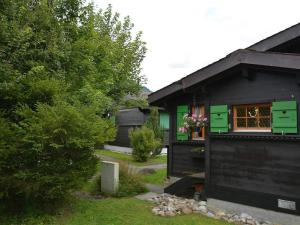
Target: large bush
column 52, row 153
column 143, row 142
column 63, row 69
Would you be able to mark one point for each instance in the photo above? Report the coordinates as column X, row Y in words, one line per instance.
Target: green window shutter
column 219, row 118
column 181, row 111
column 284, row 117
column 164, row 120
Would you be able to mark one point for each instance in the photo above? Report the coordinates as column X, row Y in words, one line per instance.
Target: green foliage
column 129, row 159
column 153, row 124
column 135, row 103
column 130, row 182
column 63, row 67
column 143, row 142
column 158, row 177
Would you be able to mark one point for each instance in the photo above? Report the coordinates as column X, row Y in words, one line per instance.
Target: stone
column 187, row 211
column 170, row 205
column 150, row 196
column 203, row 209
column 250, row 222
column 202, row 203
column 211, row 214
column 161, row 213
column 170, row 213
column 245, row 215
column 109, row 177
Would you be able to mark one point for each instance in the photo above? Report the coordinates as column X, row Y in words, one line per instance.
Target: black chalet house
column 249, row 154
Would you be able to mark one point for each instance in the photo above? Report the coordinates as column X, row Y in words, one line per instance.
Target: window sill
column 252, row 136
column 252, row 131
column 198, row 139
column 190, row 142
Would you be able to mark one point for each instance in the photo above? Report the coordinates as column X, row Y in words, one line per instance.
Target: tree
column 153, row 124
column 63, row 66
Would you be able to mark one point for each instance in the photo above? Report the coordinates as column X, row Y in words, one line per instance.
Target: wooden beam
column 298, row 78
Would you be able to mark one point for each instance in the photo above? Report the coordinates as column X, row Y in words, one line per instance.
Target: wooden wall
column 127, row 119
column 185, row 161
column 253, row 170
column 260, row 170
column 269, row 170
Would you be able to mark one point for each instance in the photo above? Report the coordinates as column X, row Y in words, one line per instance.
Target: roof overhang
column 243, row 56
column 277, row 39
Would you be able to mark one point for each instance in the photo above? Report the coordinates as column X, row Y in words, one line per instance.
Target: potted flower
column 193, row 123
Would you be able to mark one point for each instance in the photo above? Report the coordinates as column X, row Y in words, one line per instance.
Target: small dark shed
column 127, row 119
column 252, row 143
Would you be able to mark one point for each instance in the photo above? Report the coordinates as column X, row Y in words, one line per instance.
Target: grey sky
column 183, row 36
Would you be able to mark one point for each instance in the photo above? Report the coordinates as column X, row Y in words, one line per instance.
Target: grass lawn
column 111, row 211
column 156, row 178
column 128, row 158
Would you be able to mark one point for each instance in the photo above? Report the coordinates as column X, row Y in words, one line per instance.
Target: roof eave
column 248, row 57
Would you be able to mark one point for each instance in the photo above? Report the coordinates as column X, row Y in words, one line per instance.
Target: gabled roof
column 243, row 56
column 277, row 39
column 254, row 55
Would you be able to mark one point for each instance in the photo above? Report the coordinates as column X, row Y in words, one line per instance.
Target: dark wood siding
column 122, row 138
column 185, row 161
column 268, row 168
column 256, row 171
column 127, row 119
column 130, row 117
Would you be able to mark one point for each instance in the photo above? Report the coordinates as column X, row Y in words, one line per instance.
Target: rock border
column 171, row 205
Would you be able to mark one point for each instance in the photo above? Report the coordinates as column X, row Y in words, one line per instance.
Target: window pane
column 252, row 117
column 264, row 111
column 241, row 122
column 241, row 112
column 252, row 122
column 265, row 122
column 252, row 111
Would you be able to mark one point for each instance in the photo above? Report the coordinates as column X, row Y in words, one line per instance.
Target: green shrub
column 143, row 142
column 153, row 124
column 130, row 182
column 49, row 153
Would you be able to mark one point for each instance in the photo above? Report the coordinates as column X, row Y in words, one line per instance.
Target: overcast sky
column 184, row 36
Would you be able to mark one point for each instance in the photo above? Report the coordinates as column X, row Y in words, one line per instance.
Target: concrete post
column 109, row 177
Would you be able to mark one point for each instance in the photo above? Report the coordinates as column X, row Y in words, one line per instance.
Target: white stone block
column 109, row 177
